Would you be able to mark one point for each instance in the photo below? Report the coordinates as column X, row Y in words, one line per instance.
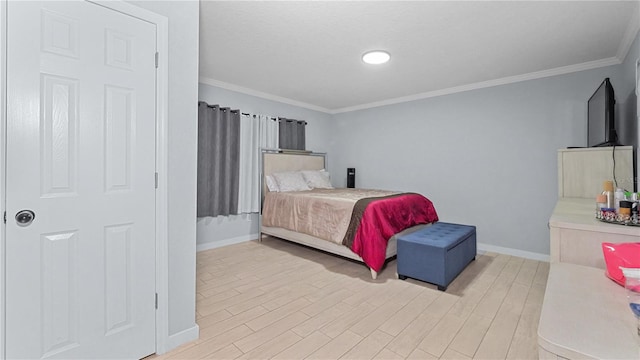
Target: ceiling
column 308, row 53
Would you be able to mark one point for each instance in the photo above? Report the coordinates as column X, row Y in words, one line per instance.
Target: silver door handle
column 25, row 217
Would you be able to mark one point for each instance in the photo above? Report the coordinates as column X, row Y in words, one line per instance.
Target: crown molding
column 260, row 94
column 485, row 84
column 452, row 90
column 630, row 34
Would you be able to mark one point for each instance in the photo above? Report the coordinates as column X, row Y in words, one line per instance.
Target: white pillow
column 291, row 181
column 272, row 185
column 317, row 179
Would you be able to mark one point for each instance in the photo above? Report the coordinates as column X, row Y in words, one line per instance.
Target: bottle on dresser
column 619, row 196
column 608, row 212
column 624, row 213
column 608, row 192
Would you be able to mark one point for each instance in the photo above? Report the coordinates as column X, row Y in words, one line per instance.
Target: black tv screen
column 601, row 129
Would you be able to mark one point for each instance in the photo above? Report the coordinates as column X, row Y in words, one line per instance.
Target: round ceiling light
column 376, row 57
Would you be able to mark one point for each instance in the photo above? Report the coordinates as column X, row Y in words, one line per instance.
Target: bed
column 335, row 220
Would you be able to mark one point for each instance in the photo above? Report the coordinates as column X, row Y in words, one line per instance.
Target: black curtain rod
column 218, row 106
column 247, row 114
column 292, row 120
column 270, row 117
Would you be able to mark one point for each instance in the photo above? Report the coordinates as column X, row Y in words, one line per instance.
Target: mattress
column 321, row 213
column 361, row 219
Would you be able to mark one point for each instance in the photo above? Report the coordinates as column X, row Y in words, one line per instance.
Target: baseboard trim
column 513, row 252
column 481, row 247
column 183, row 337
column 225, row 242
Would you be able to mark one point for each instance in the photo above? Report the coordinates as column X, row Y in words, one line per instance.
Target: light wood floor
column 280, row 300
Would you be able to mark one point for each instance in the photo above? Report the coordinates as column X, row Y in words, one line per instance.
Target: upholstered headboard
column 274, row 162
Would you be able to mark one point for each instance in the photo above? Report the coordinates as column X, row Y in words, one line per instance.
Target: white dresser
column 585, row 315
column 576, row 236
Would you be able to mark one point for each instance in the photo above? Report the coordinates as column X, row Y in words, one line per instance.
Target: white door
column 80, row 278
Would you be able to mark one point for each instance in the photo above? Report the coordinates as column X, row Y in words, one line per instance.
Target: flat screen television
column 601, row 129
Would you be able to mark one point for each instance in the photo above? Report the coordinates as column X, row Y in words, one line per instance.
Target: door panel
column 58, row 291
column 59, row 127
column 80, row 279
column 119, row 103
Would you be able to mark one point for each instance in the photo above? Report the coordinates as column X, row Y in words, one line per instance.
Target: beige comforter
column 322, row 213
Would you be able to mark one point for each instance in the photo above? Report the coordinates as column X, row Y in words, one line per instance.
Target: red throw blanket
column 381, row 218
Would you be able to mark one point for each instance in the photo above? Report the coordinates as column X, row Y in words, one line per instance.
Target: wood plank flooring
column 275, row 299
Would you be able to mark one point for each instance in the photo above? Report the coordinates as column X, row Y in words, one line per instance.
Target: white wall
column 626, row 96
column 183, row 126
column 3, row 121
column 485, row 157
column 222, row 230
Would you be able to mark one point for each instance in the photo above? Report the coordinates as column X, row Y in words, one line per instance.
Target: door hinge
column 156, row 300
column 156, row 180
column 157, row 56
column 5, row 217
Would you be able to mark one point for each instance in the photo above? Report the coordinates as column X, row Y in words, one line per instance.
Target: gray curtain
column 291, row 134
column 218, row 160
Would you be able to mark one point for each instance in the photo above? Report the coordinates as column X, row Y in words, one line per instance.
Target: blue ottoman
column 436, row 253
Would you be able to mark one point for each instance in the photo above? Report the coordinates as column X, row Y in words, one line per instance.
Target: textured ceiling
column 309, row 52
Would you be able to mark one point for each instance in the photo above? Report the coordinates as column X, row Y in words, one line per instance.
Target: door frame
column 161, row 196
